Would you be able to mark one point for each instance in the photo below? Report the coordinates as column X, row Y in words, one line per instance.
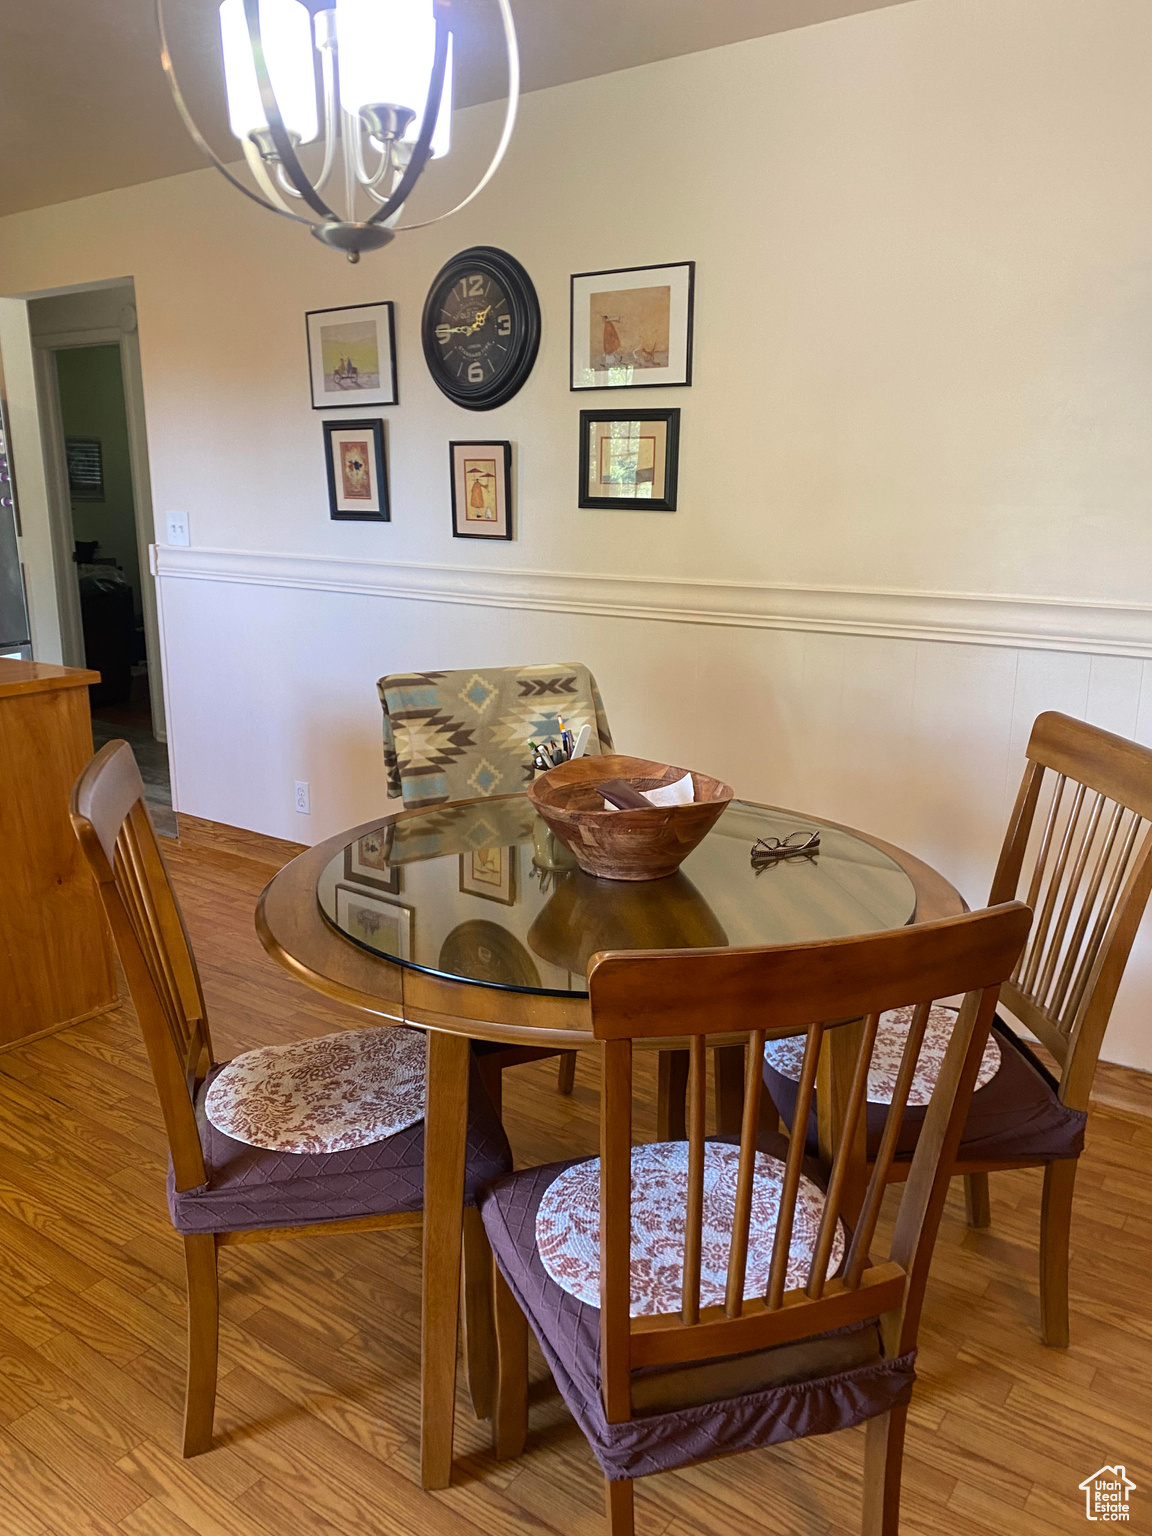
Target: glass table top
column 484, row 893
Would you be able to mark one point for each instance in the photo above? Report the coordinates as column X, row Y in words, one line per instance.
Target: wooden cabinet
column 55, row 950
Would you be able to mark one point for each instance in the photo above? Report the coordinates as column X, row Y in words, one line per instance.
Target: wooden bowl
column 625, row 845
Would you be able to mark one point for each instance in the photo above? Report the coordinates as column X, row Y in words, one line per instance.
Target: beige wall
column 922, row 239
column 922, row 372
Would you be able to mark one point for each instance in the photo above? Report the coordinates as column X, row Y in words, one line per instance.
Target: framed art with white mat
column 374, row 921
column 352, row 356
column 490, row 873
column 366, row 862
column 481, row 490
column 632, row 328
column 357, row 471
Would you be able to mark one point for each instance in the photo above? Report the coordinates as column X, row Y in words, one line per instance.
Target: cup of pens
column 563, row 749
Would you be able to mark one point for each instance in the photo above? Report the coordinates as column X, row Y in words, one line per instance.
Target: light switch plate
column 177, row 525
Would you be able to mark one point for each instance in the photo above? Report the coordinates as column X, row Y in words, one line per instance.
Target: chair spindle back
column 112, row 823
column 1081, row 829
column 816, row 988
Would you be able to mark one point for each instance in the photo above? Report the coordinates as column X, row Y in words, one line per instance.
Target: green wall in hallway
column 92, row 405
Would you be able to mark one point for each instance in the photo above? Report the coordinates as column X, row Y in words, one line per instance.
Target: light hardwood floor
column 317, row 1416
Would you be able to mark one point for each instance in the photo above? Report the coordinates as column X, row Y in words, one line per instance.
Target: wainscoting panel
column 881, row 723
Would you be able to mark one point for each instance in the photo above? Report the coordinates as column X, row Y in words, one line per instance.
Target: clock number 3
column 503, row 325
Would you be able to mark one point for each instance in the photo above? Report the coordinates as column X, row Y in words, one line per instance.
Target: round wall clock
column 481, row 327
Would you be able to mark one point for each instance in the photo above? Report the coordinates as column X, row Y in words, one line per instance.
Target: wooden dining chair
column 223, row 1189
column 697, row 1300
column 1079, row 851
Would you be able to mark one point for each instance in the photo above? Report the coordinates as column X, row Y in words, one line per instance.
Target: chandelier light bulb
column 286, row 33
column 386, row 49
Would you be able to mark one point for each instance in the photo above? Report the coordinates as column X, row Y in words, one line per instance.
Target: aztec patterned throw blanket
column 457, row 735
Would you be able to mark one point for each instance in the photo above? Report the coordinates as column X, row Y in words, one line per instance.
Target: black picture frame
column 504, row 892
column 385, row 329
column 665, row 503
column 505, row 450
column 382, row 513
column 355, row 873
column 634, row 383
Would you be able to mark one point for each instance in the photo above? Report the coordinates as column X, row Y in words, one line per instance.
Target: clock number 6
column 475, row 373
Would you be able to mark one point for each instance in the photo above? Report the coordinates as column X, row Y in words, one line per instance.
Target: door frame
column 60, row 502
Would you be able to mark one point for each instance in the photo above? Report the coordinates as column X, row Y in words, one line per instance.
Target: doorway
column 92, row 421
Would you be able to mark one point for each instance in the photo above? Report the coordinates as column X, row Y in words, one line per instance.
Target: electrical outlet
column 303, row 798
column 177, row 525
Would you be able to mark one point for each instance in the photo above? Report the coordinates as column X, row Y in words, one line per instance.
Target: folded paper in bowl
column 679, row 793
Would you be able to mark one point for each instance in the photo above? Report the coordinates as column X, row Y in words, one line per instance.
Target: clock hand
column 480, row 319
column 454, row 330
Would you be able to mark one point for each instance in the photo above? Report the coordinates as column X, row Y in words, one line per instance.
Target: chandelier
column 386, row 83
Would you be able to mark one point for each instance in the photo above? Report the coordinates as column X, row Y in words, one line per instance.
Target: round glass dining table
column 483, row 894
column 469, row 921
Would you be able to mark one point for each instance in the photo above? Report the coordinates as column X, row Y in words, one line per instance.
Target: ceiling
column 84, row 106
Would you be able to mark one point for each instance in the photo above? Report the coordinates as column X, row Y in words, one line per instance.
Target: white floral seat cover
column 324, row 1095
column 785, row 1056
column 568, row 1227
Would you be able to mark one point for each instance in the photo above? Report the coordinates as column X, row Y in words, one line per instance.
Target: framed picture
column 366, row 862
column 490, row 873
column 352, row 356
column 385, row 926
column 628, row 459
column 632, row 328
column 481, row 490
column 357, row 473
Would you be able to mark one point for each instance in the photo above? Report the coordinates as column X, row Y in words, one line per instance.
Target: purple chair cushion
column 685, row 1414
column 249, row 1188
column 1017, row 1114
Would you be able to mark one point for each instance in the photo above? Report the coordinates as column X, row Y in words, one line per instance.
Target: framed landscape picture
column 352, row 356
column 366, row 862
column 490, row 873
column 357, row 472
column 481, row 490
column 629, row 459
column 632, row 328
column 375, row 922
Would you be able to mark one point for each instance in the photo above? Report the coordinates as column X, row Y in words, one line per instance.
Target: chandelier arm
column 513, row 52
column 282, row 183
column 423, row 146
column 284, row 147
column 260, row 175
column 362, row 176
column 194, row 133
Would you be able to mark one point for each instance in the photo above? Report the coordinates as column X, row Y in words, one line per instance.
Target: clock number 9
column 475, row 373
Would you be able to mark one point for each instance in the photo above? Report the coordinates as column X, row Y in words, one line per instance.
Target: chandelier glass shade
column 385, row 88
